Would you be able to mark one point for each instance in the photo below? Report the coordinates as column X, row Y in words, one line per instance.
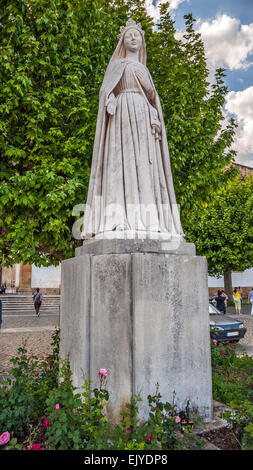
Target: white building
column 24, row 278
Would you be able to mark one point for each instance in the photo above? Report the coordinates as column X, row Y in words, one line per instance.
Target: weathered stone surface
column 144, row 317
column 75, row 316
column 175, row 247
column 171, row 330
column 111, row 327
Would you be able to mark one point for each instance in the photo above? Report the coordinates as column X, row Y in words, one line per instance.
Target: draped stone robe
column 131, row 186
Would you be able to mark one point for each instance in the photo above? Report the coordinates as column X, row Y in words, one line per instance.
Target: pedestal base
column 144, row 317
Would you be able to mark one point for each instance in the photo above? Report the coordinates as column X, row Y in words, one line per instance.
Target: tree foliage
column 223, row 231
column 53, row 57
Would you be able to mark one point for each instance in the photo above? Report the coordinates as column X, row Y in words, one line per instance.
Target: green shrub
column 240, row 420
column 80, row 422
column 40, row 406
column 233, row 386
column 23, row 396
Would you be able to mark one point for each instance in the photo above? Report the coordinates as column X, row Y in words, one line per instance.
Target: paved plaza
column 36, row 332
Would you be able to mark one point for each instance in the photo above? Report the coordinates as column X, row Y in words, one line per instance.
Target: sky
column 226, row 27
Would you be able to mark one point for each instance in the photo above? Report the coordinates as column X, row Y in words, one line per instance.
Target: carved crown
column 130, row 24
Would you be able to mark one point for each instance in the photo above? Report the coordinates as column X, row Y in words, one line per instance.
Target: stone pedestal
column 140, row 311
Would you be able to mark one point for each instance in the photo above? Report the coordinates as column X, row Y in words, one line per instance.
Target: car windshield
column 213, row 310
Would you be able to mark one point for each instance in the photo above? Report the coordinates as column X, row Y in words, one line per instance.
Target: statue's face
column 132, row 40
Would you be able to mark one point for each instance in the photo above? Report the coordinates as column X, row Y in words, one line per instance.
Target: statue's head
column 131, row 38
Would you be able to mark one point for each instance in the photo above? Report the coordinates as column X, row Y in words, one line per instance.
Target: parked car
column 224, row 328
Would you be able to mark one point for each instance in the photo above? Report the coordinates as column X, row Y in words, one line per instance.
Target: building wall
column 46, row 277
column 25, row 275
column 24, row 278
column 9, row 277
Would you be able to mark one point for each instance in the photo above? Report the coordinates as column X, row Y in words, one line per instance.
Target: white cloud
column 153, row 6
column 227, row 43
column 174, row 4
column 240, row 105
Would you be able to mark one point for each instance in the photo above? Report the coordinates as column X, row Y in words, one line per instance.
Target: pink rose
column 214, row 341
column 57, row 406
column 149, row 438
column 34, row 447
column 4, row 438
column 46, row 422
column 103, row 372
column 177, row 419
column 223, row 352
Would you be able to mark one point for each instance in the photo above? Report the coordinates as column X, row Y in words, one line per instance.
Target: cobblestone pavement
column 37, row 332
column 26, row 327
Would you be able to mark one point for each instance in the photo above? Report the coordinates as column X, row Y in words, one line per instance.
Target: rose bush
column 67, row 419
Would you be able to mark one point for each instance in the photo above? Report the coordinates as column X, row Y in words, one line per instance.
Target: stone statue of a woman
column 131, row 189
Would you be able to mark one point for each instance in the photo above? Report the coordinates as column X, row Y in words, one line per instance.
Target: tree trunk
column 228, row 288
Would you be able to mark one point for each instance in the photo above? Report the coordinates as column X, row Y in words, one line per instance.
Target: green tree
column 53, row 58
column 223, row 231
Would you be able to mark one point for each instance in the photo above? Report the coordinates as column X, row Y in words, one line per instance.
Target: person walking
column 220, row 302
column 37, row 298
column 237, row 300
column 250, row 299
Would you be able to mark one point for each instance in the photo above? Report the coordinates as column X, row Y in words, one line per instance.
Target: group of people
column 237, row 296
column 222, row 298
